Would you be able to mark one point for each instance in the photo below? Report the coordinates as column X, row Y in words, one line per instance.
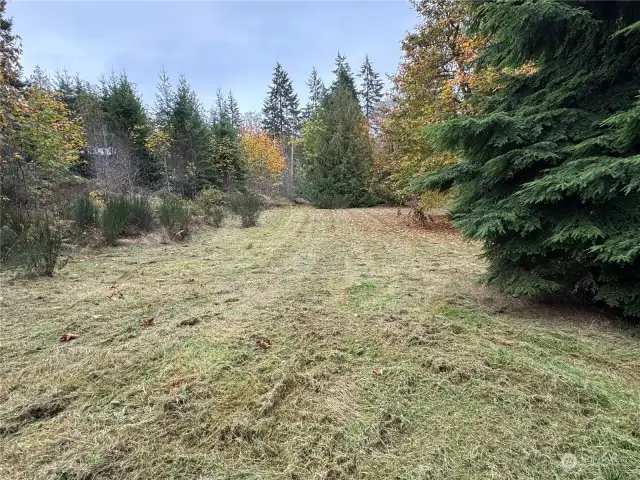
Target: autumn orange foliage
column 262, row 153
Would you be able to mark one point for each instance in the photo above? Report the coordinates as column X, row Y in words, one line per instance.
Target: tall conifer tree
column 344, row 77
column 370, row 89
column 338, row 153
column 317, row 93
column 234, row 111
column 281, row 115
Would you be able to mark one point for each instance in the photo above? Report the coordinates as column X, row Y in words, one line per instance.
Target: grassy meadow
column 322, row 344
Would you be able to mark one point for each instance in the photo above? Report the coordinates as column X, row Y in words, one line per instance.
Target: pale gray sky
column 234, row 45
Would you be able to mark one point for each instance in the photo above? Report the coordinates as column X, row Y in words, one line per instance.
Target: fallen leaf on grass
column 177, row 382
column 263, row 343
column 377, row 372
column 67, row 337
column 145, row 322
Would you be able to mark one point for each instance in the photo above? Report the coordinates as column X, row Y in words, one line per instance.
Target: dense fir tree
column 225, row 166
column 67, row 89
column 235, row 118
column 370, row 89
column 10, row 68
column 338, row 153
column 281, row 115
column 189, row 139
column 317, row 93
column 125, row 114
column 344, row 77
column 549, row 173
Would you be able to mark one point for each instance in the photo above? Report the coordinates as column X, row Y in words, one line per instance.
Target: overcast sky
column 233, row 44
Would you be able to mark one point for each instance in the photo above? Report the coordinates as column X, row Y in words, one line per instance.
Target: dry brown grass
column 472, row 385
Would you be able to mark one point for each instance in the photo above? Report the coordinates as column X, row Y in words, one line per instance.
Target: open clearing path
column 386, row 361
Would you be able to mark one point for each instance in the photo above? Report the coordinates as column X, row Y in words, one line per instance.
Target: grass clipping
column 321, row 344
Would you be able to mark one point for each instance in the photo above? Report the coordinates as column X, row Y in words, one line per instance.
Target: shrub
column 36, row 245
column 216, row 217
column 114, row 218
column 140, row 214
column 126, row 216
column 209, row 198
column 174, row 214
column 85, row 213
column 248, row 206
column 43, row 247
column 209, row 203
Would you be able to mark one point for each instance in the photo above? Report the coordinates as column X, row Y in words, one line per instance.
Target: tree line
column 105, row 132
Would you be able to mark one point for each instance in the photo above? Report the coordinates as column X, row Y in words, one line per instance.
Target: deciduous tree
column 44, row 130
column 434, row 78
column 265, row 163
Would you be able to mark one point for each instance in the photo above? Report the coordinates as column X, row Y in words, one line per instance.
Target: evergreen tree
column 125, row 114
column 164, row 101
column 189, row 139
column 64, row 85
column 317, row 93
column 549, row 172
column 224, row 167
column 344, row 77
column 40, row 79
column 10, row 68
column 370, row 90
column 338, row 153
column 281, row 111
column 220, row 110
column 234, row 111
column 10, row 71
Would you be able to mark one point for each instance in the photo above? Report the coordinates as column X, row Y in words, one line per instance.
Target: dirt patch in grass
column 381, row 357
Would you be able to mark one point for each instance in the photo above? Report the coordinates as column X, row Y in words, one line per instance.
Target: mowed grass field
column 319, row 345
